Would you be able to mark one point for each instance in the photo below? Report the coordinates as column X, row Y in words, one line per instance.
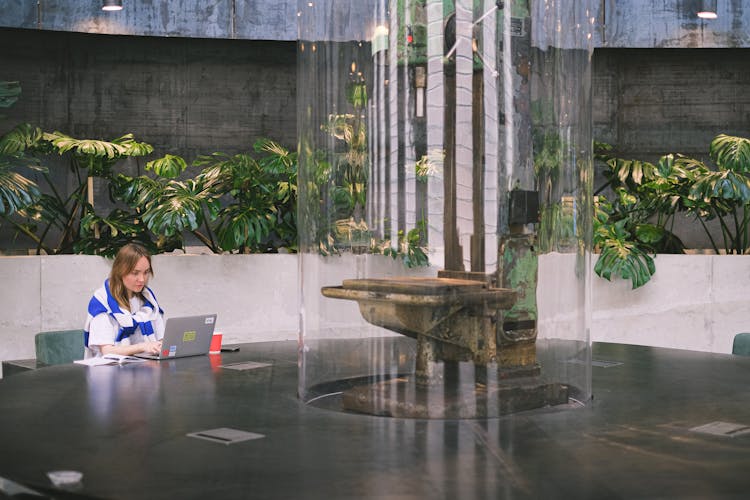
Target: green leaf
column 629, row 173
column 135, row 191
column 649, row 233
column 731, row 153
column 106, row 235
column 356, row 94
column 242, row 227
column 20, row 138
column 621, row 257
column 178, row 209
column 16, row 192
column 278, row 159
column 85, row 147
column 726, row 185
column 636, row 172
column 169, row 166
column 132, row 147
column 47, row 209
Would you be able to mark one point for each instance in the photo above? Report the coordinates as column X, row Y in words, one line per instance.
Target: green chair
column 59, row 347
column 741, row 344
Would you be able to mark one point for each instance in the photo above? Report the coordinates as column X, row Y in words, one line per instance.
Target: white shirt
column 104, row 328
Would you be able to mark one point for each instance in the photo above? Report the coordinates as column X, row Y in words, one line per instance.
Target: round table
column 126, row 428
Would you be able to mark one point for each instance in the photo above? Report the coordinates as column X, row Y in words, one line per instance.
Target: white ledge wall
column 696, row 302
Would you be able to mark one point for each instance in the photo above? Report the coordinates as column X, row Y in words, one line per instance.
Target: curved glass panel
column 444, row 205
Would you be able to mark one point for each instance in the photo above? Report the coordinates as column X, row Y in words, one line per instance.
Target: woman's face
column 136, row 279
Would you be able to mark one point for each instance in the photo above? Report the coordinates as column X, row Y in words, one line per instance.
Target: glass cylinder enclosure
column 445, row 205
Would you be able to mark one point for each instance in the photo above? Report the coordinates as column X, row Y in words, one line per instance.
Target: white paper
column 109, row 359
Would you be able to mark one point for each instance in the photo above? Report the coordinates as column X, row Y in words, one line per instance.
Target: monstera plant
column 238, row 203
column 647, row 197
column 242, row 203
column 68, row 217
column 723, row 194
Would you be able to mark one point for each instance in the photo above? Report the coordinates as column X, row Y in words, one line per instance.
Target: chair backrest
column 741, row 344
column 59, row 347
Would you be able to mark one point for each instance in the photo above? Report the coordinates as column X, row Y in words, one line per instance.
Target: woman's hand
column 151, row 347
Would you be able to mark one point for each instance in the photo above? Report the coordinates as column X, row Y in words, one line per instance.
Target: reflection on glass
column 445, row 205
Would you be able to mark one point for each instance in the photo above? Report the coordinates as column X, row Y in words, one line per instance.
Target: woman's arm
column 128, row 350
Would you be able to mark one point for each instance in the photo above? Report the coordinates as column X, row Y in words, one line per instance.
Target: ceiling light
column 707, row 9
column 111, row 4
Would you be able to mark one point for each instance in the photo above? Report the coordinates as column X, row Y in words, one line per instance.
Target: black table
column 125, row 427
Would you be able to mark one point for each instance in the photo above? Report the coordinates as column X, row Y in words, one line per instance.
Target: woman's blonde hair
column 125, row 261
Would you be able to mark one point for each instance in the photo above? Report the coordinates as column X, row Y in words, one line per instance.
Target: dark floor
column 638, row 438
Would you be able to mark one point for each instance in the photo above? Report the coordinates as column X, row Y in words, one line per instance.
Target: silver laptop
column 185, row 336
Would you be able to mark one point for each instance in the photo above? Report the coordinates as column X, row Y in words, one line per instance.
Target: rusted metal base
column 481, row 396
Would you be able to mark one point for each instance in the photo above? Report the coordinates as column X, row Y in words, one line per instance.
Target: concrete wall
column 620, row 23
column 241, row 19
column 671, row 23
column 655, row 101
column 183, row 96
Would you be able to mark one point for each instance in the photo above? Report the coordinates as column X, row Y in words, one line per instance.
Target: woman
column 123, row 315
